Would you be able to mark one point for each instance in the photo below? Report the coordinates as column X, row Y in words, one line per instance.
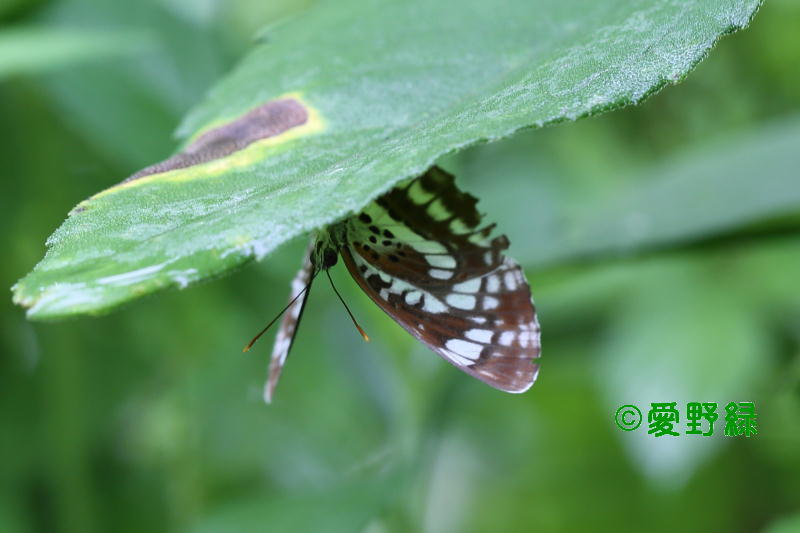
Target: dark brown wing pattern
column 420, row 253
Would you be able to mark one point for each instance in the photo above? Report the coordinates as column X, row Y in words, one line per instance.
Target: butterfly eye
column 329, row 258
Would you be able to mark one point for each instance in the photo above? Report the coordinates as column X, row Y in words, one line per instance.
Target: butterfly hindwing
column 420, row 253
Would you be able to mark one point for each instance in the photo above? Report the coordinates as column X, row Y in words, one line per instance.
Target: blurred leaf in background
column 662, row 248
column 35, row 50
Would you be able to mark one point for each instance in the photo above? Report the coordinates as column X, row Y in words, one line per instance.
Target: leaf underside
column 380, row 98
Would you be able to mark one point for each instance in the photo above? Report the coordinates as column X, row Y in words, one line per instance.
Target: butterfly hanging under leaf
column 420, row 253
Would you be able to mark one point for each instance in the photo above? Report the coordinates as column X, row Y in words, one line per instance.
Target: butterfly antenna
column 363, row 334
column 271, row 322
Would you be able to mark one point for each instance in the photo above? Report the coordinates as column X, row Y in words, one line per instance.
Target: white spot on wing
column 441, row 261
column 467, row 349
column 510, row 280
column 479, row 335
column 457, row 359
column 433, row 304
column 506, row 338
column 295, row 312
column 298, row 284
column 490, row 303
column 440, row 274
column 525, row 339
column 470, row 286
column 413, row 297
column 461, row 301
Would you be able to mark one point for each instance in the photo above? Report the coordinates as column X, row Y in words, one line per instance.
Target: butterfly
column 420, row 253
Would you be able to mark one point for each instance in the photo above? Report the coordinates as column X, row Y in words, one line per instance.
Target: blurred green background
column 661, row 243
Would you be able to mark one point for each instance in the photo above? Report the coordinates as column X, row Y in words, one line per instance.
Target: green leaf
column 29, row 50
column 735, row 184
column 383, row 95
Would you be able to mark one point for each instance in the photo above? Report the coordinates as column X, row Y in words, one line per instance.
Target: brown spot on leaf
column 268, row 120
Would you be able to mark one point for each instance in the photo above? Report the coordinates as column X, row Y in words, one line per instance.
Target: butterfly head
column 326, row 248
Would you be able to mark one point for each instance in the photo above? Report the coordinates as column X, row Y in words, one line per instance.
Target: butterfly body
column 420, row 254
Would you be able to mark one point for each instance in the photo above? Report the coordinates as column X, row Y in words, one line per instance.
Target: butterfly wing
column 420, row 253
column 291, row 320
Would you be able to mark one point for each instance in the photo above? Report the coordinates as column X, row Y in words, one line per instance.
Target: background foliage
column 661, row 243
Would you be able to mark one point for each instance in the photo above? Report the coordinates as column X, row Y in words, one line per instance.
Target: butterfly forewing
column 291, row 319
column 420, row 254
